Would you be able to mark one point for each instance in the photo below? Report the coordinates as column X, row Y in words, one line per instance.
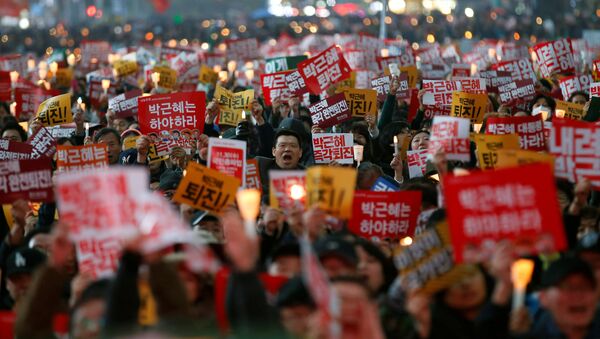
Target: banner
column 206, row 189
column 555, row 57
column 168, row 76
column 488, row 146
column 125, row 104
column 361, row 101
column 280, row 187
column 252, row 175
column 296, row 84
column 452, row 135
column 577, row 149
column 274, row 87
column 332, row 189
column 98, row 256
column 328, row 147
column 243, row 49
column 571, row 110
column 207, row 75
column 55, row 111
column 281, row 64
column 324, row 69
column 43, row 143
column 517, row 204
column 595, row 89
column 417, row 163
column 331, row 111
column 5, row 86
column 228, row 156
column 26, row 179
column 81, row 158
column 574, row 83
column 530, row 130
column 461, row 70
column 14, row 150
column 520, row 69
column 470, row 106
column 385, row 215
column 232, row 104
column 123, row 68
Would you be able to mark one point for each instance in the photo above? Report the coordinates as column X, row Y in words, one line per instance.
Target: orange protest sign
column 512, row 158
column 412, row 74
column 78, row 158
column 123, row 68
column 64, row 76
column 349, row 82
column 206, row 189
column 56, row 110
column 332, row 189
column 569, row 110
column 207, row 75
column 489, row 144
column 361, row 101
column 168, row 76
column 469, row 105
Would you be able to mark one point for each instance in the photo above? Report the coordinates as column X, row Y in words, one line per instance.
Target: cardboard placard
column 43, row 144
column 81, row 158
column 280, row 186
column 331, row 111
column 361, row 101
column 124, row 68
column 384, row 185
column 125, row 104
column 469, row 105
column 569, row 85
column 207, row 75
column 517, row 157
column 28, row 100
column 324, row 69
column 332, row 189
column 232, row 105
column 274, row 87
column 55, row 111
column 295, row 83
column 517, row 91
column 280, row 64
column 417, row 162
column 451, row 134
column 228, row 156
column 554, row 57
column 243, row 49
column 489, row 145
column 168, row 76
column 520, row 69
column 572, row 110
column 328, row 147
column 14, row 150
column 529, row 128
column 26, row 179
column 252, row 175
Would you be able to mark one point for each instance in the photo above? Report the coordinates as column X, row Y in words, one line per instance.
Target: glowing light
column 469, row 12
column 91, row 10
column 406, row 241
column 414, row 21
column 539, row 20
column 297, row 192
column 397, row 6
column 430, row 38
column 309, row 11
column 24, row 23
column 517, row 36
column 149, row 36
column 468, row 35
column 429, row 19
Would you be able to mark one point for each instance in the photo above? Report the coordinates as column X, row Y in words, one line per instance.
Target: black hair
column 64, row 140
column 96, row 290
column 387, row 136
column 429, row 194
column 15, row 126
column 495, row 103
column 287, row 132
column 549, row 100
column 547, row 85
column 387, row 265
column 415, row 134
column 105, row 131
column 576, row 93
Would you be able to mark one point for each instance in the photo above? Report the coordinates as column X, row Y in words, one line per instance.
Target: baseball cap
column 294, row 293
column 24, row 260
column 336, row 246
column 564, row 267
column 286, row 248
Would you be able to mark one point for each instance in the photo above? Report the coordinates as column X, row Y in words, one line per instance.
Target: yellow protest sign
column 207, row 75
column 350, row 82
column 147, row 315
column 571, row 110
column 64, row 76
column 153, row 154
column 412, row 73
column 168, row 76
column 56, row 110
column 361, row 101
column 232, row 104
column 125, row 67
column 489, row 144
column 469, row 105
column 512, row 158
column 332, row 189
column 129, row 142
column 206, row 189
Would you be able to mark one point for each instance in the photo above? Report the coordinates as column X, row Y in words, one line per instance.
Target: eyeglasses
column 292, row 146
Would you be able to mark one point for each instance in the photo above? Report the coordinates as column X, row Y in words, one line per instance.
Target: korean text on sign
column 274, row 87
column 43, row 143
column 324, row 69
column 280, row 187
column 80, row 158
column 417, row 162
column 517, row 203
column 14, row 150
column 361, row 101
column 520, row 69
column 228, row 157
column 469, row 105
column 243, row 49
column 26, row 179
column 55, row 111
column 555, row 57
column 330, row 111
column 232, row 104
column 488, row 146
column 452, row 135
column 328, row 147
column 384, row 215
column 252, row 175
column 327, row 187
column 530, row 130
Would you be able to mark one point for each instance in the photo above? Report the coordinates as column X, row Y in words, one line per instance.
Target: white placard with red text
column 328, row 147
column 228, row 156
column 452, row 135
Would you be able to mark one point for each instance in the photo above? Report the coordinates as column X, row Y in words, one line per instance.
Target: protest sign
column 56, row 110
column 186, row 66
column 452, row 135
column 80, row 158
column 329, row 188
column 295, row 83
column 517, row 204
column 232, row 104
column 516, row 92
column 595, row 89
column 14, row 150
column 433, row 71
column 574, row 83
column 428, row 264
column 252, row 175
column 328, row 147
column 412, row 75
column 401, row 60
column 168, row 76
column 125, row 104
column 383, row 215
column 469, row 105
column 26, row 179
column 520, row 69
column 331, row 111
column 517, row 157
column 98, row 256
column 554, row 57
column 495, row 79
column 439, row 92
column 529, row 128
column 382, row 86
column 280, row 64
column 359, row 58
column 417, row 162
column 14, row 62
column 511, row 51
column 207, row 75
column 280, row 187
column 42, row 143
column 596, row 70
column 324, row 69
column 96, row 92
column 124, row 68
column 570, row 110
column 349, row 82
column 206, row 189
column 384, row 185
column 5, row 86
column 577, row 149
column 275, row 87
column 361, row 101
column 488, row 146
column 228, row 156
column 242, row 49
column 461, row 70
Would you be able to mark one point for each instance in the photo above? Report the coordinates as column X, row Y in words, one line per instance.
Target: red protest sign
column 360, row 58
column 228, row 157
column 520, row 69
column 296, row 84
column 187, row 67
column 14, row 62
column 596, row 69
column 516, row 203
column 243, row 49
column 577, row 149
column 125, row 104
column 555, row 57
column 28, row 100
column 403, row 60
column 274, row 87
column 281, row 183
column 14, row 150
column 384, row 215
column 382, row 86
column 328, row 147
column 94, row 53
column 512, row 51
column 452, row 135
column 439, row 92
column 5, row 86
column 417, row 162
column 43, row 143
column 324, row 69
column 330, row 111
column 95, row 91
column 516, row 92
column 574, row 83
column 80, row 158
column 495, row 79
column 252, row 175
column 26, row 179
column 529, row 128
column 461, row 70
column 98, row 256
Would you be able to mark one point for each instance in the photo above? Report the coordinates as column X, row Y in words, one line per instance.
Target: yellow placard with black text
column 332, row 189
column 361, row 101
column 489, row 144
column 168, row 76
column 232, row 104
column 469, row 105
column 55, row 111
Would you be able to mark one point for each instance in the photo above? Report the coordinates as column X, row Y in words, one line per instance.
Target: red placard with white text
column 452, row 135
column 26, row 179
column 555, row 57
column 328, row 147
column 384, row 215
column 324, row 69
column 5, row 86
column 252, row 175
column 518, row 204
column 529, row 128
column 81, row 158
column 576, row 145
column 295, row 83
column 280, row 188
column 43, row 143
column 574, row 83
column 595, row 89
column 14, row 150
column 439, row 92
column 520, row 69
column 331, row 111
column 274, row 87
column 28, row 100
column 495, row 79
column 243, row 49
column 517, row 92
column 417, row 162
column 228, row 156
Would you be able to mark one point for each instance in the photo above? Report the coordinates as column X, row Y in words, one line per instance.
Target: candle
column 520, row 272
column 231, row 66
column 297, row 192
column 544, row 115
column 54, row 68
column 105, row 85
column 42, row 73
column 385, row 52
column 395, row 144
column 560, row 113
column 249, row 75
column 477, row 127
column 243, row 115
column 155, row 78
column 14, row 77
column 79, row 103
column 223, row 75
column 406, row 241
column 87, row 129
column 13, row 109
column 358, row 153
column 248, row 201
column 217, row 68
column 30, row 65
column 71, row 60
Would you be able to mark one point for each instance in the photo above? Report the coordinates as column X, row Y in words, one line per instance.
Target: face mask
column 539, row 109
